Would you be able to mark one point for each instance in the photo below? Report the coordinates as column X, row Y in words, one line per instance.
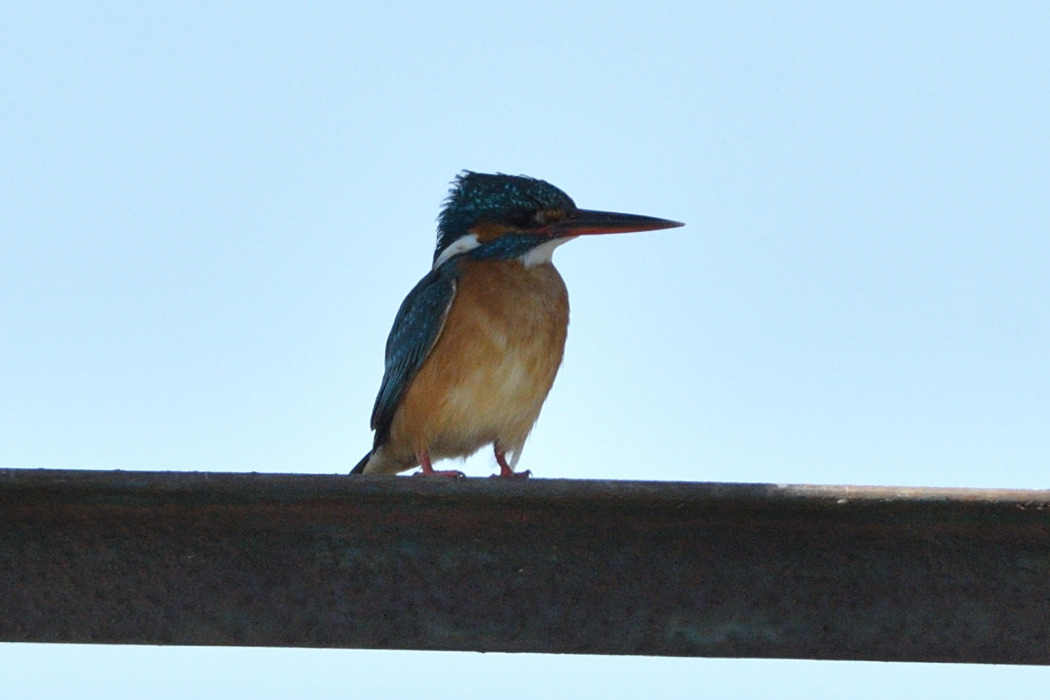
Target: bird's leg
column 505, row 470
column 428, row 468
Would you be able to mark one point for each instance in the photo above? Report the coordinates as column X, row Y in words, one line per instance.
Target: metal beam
column 595, row 567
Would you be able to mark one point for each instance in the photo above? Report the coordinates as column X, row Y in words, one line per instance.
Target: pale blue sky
column 209, row 213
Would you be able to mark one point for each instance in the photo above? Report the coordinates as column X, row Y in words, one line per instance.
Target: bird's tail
column 360, row 468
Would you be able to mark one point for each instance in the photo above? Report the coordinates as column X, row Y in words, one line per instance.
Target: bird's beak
column 587, row 222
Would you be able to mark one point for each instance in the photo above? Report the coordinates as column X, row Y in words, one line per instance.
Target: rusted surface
column 543, row 566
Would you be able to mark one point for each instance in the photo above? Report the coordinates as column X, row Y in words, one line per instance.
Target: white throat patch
column 542, row 253
column 460, row 245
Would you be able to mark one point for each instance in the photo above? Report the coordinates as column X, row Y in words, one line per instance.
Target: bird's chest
column 487, row 376
column 509, row 322
column 501, row 345
column 510, row 308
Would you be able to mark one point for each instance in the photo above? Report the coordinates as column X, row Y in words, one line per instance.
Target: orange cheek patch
column 487, row 231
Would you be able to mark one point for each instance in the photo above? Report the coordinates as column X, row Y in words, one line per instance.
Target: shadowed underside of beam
column 558, row 566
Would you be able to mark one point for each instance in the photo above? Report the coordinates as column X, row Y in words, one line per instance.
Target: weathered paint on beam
column 557, row 566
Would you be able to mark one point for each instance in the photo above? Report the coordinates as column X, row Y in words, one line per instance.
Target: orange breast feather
column 486, row 378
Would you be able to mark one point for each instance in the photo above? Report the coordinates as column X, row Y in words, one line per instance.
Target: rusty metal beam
column 557, row 566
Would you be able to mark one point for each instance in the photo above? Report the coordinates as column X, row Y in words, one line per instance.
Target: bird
column 476, row 344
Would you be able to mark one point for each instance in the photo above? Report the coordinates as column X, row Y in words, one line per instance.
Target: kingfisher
column 476, row 344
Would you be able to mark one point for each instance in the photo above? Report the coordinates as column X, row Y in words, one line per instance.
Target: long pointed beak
column 587, row 222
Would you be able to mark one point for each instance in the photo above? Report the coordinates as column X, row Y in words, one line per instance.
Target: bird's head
column 507, row 216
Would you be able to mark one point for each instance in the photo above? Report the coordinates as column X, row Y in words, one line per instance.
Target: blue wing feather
column 416, row 329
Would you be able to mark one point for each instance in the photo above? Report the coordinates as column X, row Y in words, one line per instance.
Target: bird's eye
column 521, row 218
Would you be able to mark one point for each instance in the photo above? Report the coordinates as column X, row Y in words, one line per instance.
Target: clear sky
column 209, row 213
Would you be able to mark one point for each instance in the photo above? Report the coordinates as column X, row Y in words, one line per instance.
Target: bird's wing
column 417, row 328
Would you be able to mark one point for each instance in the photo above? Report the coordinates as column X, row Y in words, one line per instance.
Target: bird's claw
column 512, row 475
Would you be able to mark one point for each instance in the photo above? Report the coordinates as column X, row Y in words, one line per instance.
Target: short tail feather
column 360, row 468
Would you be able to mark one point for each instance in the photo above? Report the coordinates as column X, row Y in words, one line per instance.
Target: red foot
column 505, row 470
column 428, row 468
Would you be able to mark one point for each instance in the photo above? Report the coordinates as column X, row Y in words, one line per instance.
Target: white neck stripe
column 543, row 252
column 460, row 245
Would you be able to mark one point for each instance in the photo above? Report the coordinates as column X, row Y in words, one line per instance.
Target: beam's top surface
column 275, row 487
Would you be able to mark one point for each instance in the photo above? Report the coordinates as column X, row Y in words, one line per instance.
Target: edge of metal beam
column 558, row 566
